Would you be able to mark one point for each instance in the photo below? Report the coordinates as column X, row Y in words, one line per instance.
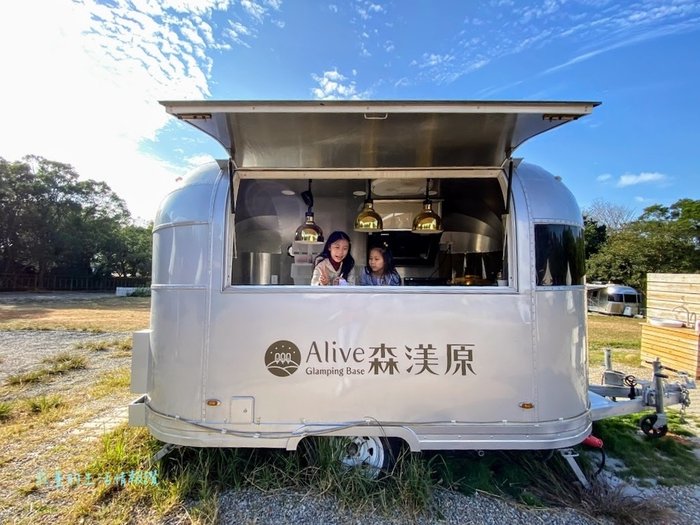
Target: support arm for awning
column 230, row 181
column 510, row 182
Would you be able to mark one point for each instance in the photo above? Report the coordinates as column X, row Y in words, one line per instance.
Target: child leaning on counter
column 333, row 267
column 380, row 269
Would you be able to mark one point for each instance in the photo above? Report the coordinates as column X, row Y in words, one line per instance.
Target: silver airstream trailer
column 484, row 345
column 614, row 299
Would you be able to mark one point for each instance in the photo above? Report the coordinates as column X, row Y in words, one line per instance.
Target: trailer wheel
column 372, row 454
column 647, row 426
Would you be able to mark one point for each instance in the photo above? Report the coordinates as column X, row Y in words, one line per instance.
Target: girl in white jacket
column 335, row 263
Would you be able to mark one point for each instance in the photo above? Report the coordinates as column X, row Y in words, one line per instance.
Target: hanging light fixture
column 368, row 220
column 427, row 221
column 309, row 231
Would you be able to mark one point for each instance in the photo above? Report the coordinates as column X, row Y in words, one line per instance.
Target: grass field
column 621, row 334
column 102, row 314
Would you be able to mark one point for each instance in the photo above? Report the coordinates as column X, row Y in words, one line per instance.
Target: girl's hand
column 324, row 277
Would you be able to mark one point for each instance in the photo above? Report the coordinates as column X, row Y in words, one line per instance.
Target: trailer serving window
column 469, row 251
column 559, row 255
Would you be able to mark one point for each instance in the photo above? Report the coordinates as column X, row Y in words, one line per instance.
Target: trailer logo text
column 330, row 359
column 282, row 358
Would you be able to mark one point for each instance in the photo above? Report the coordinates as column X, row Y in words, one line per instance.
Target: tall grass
column 123, row 345
column 5, row 410
column 198, row 475
column 551, row 483
column 195, row 477
column 42, row 404
column 58, row 364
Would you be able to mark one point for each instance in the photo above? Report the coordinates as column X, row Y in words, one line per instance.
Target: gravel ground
column 289, row 507
column 25, row 350
column 44, row 450
column 253, row 507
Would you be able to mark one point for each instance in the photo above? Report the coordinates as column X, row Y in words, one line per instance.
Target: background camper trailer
column 483, row 347
column 614, row 299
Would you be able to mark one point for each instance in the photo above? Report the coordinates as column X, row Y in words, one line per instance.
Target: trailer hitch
column 656, row 425
column 640, row 395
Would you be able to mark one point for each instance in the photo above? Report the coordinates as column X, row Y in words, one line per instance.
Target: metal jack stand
column 570, row 456
column 167, row 449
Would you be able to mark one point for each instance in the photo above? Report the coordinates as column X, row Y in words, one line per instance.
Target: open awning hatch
column 373, row 135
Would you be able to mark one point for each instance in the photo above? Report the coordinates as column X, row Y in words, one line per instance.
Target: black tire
column 647, row 426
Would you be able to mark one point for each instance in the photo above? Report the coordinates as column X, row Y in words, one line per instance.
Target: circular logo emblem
column 282, row 358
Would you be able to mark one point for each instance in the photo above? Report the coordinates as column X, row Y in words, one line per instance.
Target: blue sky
column 87, row 77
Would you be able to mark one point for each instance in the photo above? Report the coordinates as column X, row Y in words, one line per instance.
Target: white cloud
column 547, row 7
column 604, row 177
column 643, row 178
column 237, row 32
column 333, row 86
column 621, row 26
column 433, row 59
column 590, row 27
column 253, row 9
column 365, row 24
column 366, row 9
column 444, row 68
column 333, row 8
column 191, row 34
column 197, row 160
column 88, row 78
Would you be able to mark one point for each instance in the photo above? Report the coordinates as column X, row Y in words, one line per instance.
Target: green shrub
column 140, row 292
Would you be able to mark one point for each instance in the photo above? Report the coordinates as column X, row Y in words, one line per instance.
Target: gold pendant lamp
column 427, row 221
column 309, row 231
column 368, row 220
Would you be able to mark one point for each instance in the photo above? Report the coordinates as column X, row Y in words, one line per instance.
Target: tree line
column 623, row 249
column 52, row 223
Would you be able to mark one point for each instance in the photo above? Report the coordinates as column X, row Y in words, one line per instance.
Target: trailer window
column 470, row 250
column 559, row 255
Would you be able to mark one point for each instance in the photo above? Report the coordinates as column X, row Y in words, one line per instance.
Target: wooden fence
column 669, row 293
column 26, row 282
column 675, row 297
